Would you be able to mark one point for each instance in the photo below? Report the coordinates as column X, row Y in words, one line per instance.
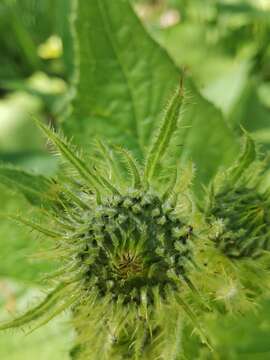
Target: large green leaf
column 205, row 137
column 123, row 80
column 249, row 109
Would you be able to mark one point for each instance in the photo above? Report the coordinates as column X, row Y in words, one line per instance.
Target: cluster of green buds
column 137, row 259
column 238, row 198
column 237, row 211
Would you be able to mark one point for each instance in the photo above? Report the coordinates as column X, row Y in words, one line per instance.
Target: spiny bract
column 238, row 199
column 126, row 252
column 237, row 210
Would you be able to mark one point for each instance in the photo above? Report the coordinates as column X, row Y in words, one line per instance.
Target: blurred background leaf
column 233, row 337
column 245, row 339
column 225, row 46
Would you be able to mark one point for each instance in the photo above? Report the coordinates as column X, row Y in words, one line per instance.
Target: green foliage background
column 111, row 78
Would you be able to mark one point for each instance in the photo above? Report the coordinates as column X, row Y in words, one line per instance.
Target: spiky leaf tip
column 164, row 135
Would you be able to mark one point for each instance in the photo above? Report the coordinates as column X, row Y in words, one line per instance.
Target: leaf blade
column 165, row 133
column 37, row 189
column 105, row 98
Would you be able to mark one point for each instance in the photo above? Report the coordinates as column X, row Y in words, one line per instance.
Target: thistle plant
column 237, row 209
column 237, row 196
column 126, row 245
column 137, row 259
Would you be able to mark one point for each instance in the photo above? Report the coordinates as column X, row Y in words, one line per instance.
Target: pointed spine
column 32, row 225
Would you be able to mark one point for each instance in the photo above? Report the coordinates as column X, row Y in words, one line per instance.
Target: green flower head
column 237, row 197
column 125, row 241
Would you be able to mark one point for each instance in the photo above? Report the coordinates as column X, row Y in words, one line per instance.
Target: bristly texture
column 126, row 251
column 137, row 258
column 237, row 211
column 238, row 199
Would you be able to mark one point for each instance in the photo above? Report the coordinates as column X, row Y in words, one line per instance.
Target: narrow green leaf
column 37, row 311
column 68, row 154
column 32, row 225
column 132, row 165
column 50, row 342
column 165, row 133
column 92, row 177
column 58, row 310
column 37, row 189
